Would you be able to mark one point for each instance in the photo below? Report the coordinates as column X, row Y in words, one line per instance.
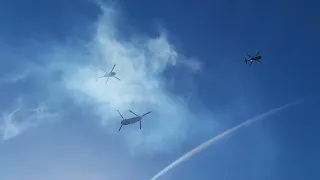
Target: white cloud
column 21, row 119
column 14, row 78
column 141, row 62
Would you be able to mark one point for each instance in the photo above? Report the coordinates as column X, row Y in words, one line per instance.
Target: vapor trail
column 220, row 136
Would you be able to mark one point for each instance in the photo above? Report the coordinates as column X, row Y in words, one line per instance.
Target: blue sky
column 180, row 59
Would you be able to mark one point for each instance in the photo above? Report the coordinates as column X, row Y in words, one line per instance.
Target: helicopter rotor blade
column 120, row 127
column 103, row 70
column 113, row 68
column 134, row 113
column 258, row 53
column 146, row 113
column 248, row 55
column 107, row 80
column 116, row 78
column 120, row 114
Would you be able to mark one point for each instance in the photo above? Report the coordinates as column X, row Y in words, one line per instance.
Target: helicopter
column 131, row 120
column 108, row 74
column 252, row 59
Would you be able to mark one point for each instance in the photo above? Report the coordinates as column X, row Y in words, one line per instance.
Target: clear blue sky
column 184, row 60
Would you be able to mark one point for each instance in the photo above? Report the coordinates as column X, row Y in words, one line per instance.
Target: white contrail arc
column 220, row 136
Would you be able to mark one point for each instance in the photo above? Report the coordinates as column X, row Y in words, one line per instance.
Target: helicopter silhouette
column 251, row 59
column 132, row 120
column 108, row 75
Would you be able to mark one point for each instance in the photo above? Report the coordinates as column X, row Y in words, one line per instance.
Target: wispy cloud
column 21, row 119
column 71, row 71
column 14, row 78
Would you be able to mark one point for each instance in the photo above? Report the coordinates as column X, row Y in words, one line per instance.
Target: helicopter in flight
column 254, row 58
column 108, row 74
column 131, row 120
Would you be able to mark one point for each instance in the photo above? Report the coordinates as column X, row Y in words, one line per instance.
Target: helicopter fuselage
column 110, row 74
column 130, row 120
column 256, row 58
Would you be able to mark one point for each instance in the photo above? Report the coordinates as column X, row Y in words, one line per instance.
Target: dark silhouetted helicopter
column 108, row 74
column 252, row 59
column 131, row 120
